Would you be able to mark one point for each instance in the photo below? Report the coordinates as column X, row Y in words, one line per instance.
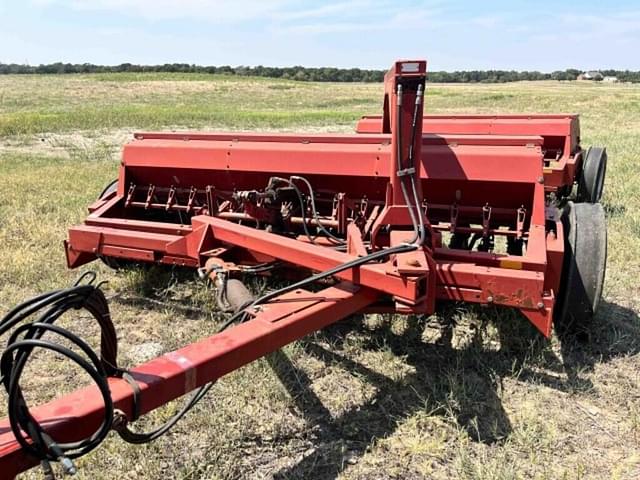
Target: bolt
column 119, row 420
column 489, row 299
column 69, row 467
column 540, row 305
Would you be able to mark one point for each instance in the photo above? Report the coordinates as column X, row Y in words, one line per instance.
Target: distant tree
column 301, row 75
column 242, row 71
column 323, row 74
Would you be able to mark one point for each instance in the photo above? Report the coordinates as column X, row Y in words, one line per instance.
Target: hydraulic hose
column 378, row 255
column 302, row 205
column 419, row 233
column 411, row 162
column 314, row 210
column 27, row 338
column 418, row 225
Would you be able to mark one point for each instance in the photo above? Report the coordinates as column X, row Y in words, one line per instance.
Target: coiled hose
column 28, row 337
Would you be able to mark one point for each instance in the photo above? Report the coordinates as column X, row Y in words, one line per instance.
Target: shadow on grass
column 175, row 289
column 463, row 385
column 615, row 333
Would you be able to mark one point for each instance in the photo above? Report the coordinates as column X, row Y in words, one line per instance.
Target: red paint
column 467, row 165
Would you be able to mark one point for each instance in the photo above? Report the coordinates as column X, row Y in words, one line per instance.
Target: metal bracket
column 132, row 191
column 192, row 196
column 150, row 193
column 486, row 218
column 171, row 198
column 522, row 212
column 454, row 218
column 212, row 207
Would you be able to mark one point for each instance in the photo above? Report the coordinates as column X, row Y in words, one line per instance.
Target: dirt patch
column 85, row 143
column 66, row 145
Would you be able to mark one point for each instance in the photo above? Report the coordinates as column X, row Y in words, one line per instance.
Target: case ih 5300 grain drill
column 411, row 210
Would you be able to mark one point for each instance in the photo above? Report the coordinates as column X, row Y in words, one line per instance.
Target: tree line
column 322, row 74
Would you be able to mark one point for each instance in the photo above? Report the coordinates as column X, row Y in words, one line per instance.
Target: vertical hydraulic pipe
column 404, row 106
column 404, row 85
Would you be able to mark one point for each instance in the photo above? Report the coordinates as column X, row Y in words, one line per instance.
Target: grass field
column 468, row 393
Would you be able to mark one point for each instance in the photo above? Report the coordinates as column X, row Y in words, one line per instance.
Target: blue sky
column 517, row 34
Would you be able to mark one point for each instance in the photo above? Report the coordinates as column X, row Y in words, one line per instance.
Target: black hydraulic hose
column 107, row 188
column 138, row 438
column 405, row 247
column 411, row 162
column 259, row 268
column 405, row 193
column 423, row 230
column 414, row 123
column 302, row 206
column 26, row 338
column 314, row 211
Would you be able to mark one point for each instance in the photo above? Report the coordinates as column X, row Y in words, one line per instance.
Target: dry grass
column 468, row 393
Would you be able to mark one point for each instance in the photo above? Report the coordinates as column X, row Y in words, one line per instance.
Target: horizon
column 33, row 65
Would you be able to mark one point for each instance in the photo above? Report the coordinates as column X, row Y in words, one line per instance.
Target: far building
column 592, row 75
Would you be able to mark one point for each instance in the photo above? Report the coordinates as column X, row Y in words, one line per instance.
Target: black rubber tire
column 594, row 169
column 585, row 259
